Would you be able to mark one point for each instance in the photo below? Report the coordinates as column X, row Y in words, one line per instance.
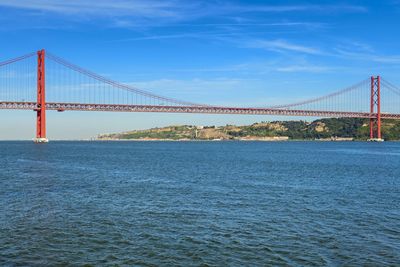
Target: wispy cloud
column 121, row 8
column 355, row 46
column 217, row 31
column 364, row 56
column 146, row 6
column 298, row 8
column 251, row 24
column 305, row 68
column 280, row 45
column 248, row 69
column 129, row 11
column 196, row 35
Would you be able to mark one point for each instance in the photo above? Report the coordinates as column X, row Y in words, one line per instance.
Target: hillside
column 323, row 129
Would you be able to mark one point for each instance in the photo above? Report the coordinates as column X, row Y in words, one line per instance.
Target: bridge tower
column 375, row 112
column 41, row 99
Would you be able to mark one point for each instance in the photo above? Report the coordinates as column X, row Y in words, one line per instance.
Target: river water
column 199, row 203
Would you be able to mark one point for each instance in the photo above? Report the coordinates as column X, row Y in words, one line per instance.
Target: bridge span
column 28, row 83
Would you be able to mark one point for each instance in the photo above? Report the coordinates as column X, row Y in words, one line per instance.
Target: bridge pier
column 41, row 100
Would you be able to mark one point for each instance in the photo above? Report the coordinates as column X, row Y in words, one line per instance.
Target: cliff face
column 213, row 133
column 324, row 129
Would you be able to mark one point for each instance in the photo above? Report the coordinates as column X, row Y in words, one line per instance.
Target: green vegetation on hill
column 357, row 129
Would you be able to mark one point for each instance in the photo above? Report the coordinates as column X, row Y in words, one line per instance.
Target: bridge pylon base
column 40, row 140
column 376, row 140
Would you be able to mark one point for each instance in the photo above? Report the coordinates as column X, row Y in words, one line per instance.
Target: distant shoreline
column 219, row 140
column 194, row 140
column 323, row 130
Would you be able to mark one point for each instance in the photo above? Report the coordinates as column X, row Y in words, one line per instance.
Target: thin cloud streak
column 280, row 45
column 259, row 68
column 388, row 59
column 305, row 68
column 305, row 7
column 148, row 14
column 195, row 35
column 254, row 24
column 146, row 8
column 177, row 36
column 178, row 10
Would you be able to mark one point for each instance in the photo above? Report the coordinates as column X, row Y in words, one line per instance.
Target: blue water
column 199, row 203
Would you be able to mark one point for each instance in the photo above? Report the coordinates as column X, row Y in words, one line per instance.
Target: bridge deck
column 192, row 109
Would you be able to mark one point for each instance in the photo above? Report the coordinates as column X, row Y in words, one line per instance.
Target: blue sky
column 245, row 53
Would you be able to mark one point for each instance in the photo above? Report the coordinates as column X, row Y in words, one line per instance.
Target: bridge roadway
column 193, row 109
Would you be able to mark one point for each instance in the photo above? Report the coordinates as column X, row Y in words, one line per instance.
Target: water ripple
column 199, row 204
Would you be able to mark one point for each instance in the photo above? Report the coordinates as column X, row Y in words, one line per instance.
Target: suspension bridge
column 41, row 81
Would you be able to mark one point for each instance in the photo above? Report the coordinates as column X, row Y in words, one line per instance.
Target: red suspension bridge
column 42, row 81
